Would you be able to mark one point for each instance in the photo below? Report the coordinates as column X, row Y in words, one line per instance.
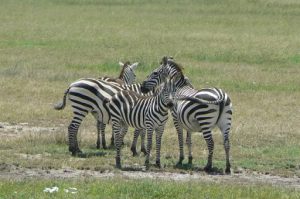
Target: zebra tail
column 61, row 105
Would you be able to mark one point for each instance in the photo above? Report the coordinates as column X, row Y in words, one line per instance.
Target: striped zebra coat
column 86, row 96
column 126, row 77
column 131, row 109
column 195, row 110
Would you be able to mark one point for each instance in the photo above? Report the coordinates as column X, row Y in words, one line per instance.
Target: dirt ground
column 12, row 172
column 243, row 177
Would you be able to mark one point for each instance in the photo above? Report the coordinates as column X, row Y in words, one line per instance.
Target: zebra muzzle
column 170, row 104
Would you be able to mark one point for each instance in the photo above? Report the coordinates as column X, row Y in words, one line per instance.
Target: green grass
column 120, row 188
column 250, row 48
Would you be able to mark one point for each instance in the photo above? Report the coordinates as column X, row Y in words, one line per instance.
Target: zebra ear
column 134, row 65
column 164, row 60
column 121, row 64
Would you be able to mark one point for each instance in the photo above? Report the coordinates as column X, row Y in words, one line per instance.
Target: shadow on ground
column 190, row 167
column 91, row 154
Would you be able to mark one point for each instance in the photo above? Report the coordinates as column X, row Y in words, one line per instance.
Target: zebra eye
column 155, row 73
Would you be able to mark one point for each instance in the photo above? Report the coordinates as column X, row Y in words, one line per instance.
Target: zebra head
column 168, row 92
column 127, row 74
column 168, row 68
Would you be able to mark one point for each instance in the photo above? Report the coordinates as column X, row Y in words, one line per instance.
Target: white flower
column 72, row 190
column 51, row 190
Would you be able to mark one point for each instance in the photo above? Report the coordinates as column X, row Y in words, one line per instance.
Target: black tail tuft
column 61, row 105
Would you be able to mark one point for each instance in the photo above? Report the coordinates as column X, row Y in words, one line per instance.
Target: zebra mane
column 126, row 64
column 171, row 62
column 175, row 65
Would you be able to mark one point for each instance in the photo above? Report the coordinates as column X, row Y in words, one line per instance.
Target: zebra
column 151, row 113
column 127, row 77
column 86, row 96
column 195, row 110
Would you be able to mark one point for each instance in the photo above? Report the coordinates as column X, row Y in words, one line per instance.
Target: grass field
column 249, row 48
column 141, row 189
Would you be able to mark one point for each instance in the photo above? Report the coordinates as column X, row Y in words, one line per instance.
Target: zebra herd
column 123, row 103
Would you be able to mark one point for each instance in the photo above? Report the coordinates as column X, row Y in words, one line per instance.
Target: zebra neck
column 181, row 82
column 161, row 101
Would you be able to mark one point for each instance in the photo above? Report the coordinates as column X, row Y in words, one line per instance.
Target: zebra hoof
column 133, row 150
column 134, row 154
column 178, row 165
column 144, row 151
column 75, row 152
column 157, row 164
column 147, row 164
column 118, row 163
column 208, row 168
column 190, row 160
column 227, row 170
column 98, row 146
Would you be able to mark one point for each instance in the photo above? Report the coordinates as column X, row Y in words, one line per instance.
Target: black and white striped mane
column 126, row 64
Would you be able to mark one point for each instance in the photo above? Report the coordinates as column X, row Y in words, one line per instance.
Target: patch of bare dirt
column 18, row 173
column 16, row 130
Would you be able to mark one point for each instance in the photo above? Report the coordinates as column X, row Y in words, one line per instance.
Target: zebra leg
column 227, row 148
column 124, row 131
column 210, row 146
column 180, row 140
column 103, row 126
column 159, row 133
column 149, row 146
column 112, row 139
column 134, row 142
column 143, row 148
column 98, row 134
column 189, row 143
column 180, row 137
column 72, row 134
column 225, row 129
column 101, row 131
column 122, row 136
column 224, row 125
column 118, row 141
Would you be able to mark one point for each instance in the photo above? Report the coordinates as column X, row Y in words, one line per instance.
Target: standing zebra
column 195, row 110
column 86, row 96
column 127, row 77
column 131, row 109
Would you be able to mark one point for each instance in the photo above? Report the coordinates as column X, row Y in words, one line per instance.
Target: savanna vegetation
column 249, row 48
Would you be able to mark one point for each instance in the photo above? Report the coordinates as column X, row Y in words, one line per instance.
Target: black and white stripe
column 86, row 96
column 151, row 113
column 195, row 110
